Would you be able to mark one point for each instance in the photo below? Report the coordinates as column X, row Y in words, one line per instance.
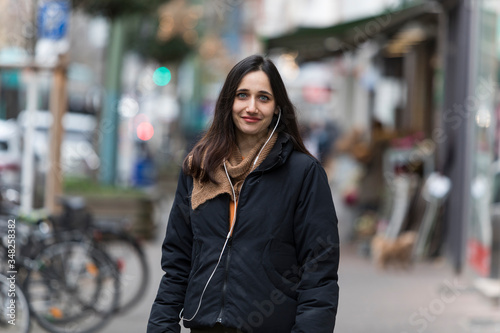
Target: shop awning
column 315, row 43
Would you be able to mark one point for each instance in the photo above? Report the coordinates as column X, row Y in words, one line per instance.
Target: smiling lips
column 251, row 119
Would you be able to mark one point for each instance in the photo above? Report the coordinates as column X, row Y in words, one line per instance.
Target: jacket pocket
column 195, row 258
column 284, row 278
column 193, row 284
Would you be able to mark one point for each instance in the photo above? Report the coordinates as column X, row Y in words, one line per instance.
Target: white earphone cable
column 270, row 136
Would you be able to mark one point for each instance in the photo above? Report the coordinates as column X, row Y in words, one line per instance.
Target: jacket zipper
column 230, row 242
column 224, row 286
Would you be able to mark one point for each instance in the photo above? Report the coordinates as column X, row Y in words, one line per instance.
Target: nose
column 251, row 105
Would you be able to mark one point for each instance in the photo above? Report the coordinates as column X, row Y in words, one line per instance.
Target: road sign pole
column 53, row 19
column 58, row 104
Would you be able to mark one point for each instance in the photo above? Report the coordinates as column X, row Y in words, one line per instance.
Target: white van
column 10, row 152
column 78, row 156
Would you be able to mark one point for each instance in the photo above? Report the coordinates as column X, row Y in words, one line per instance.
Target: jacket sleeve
column 176, row 263
column 317, row 248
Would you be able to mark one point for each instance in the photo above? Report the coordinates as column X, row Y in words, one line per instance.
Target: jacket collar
column 279, row 154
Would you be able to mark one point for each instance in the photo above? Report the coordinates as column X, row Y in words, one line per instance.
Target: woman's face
column 253, row 106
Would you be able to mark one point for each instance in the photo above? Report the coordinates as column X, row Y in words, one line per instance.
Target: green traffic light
column 162, row 76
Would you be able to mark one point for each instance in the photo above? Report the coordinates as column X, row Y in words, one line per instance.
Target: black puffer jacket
column 278, row 272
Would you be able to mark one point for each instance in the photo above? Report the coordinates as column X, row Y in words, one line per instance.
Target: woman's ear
column 277, row 110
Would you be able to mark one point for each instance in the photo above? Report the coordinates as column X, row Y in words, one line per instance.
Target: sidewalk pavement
column 426, row 298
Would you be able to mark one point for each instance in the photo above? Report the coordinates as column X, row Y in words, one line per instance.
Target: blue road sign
column 53, row 18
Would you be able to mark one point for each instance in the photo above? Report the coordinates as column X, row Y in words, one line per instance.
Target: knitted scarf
column 238, row 169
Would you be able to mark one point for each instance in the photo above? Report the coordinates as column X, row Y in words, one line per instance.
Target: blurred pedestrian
column 371, row 155
column 144, row 168
column 252, row 241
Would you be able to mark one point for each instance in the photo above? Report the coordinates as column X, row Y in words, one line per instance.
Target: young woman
column 252, row 242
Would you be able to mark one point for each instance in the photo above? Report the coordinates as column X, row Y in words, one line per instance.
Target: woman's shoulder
column 302, row 159
column 302, row 163
column 184, row 180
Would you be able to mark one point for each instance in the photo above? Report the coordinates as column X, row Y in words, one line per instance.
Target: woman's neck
column 246, row 143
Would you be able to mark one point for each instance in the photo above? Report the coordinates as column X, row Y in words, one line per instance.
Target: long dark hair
column 219, row 141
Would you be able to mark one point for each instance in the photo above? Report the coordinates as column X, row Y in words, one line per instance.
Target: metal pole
column 28, row 168
column 28, row 158
column 458, row 162
column 109, row 117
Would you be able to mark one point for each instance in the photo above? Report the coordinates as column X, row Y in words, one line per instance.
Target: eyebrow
column 260, row 91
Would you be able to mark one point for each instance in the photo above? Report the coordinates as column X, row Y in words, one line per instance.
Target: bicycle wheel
column 129, row 257
column 72, row 287
column 15, row 314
